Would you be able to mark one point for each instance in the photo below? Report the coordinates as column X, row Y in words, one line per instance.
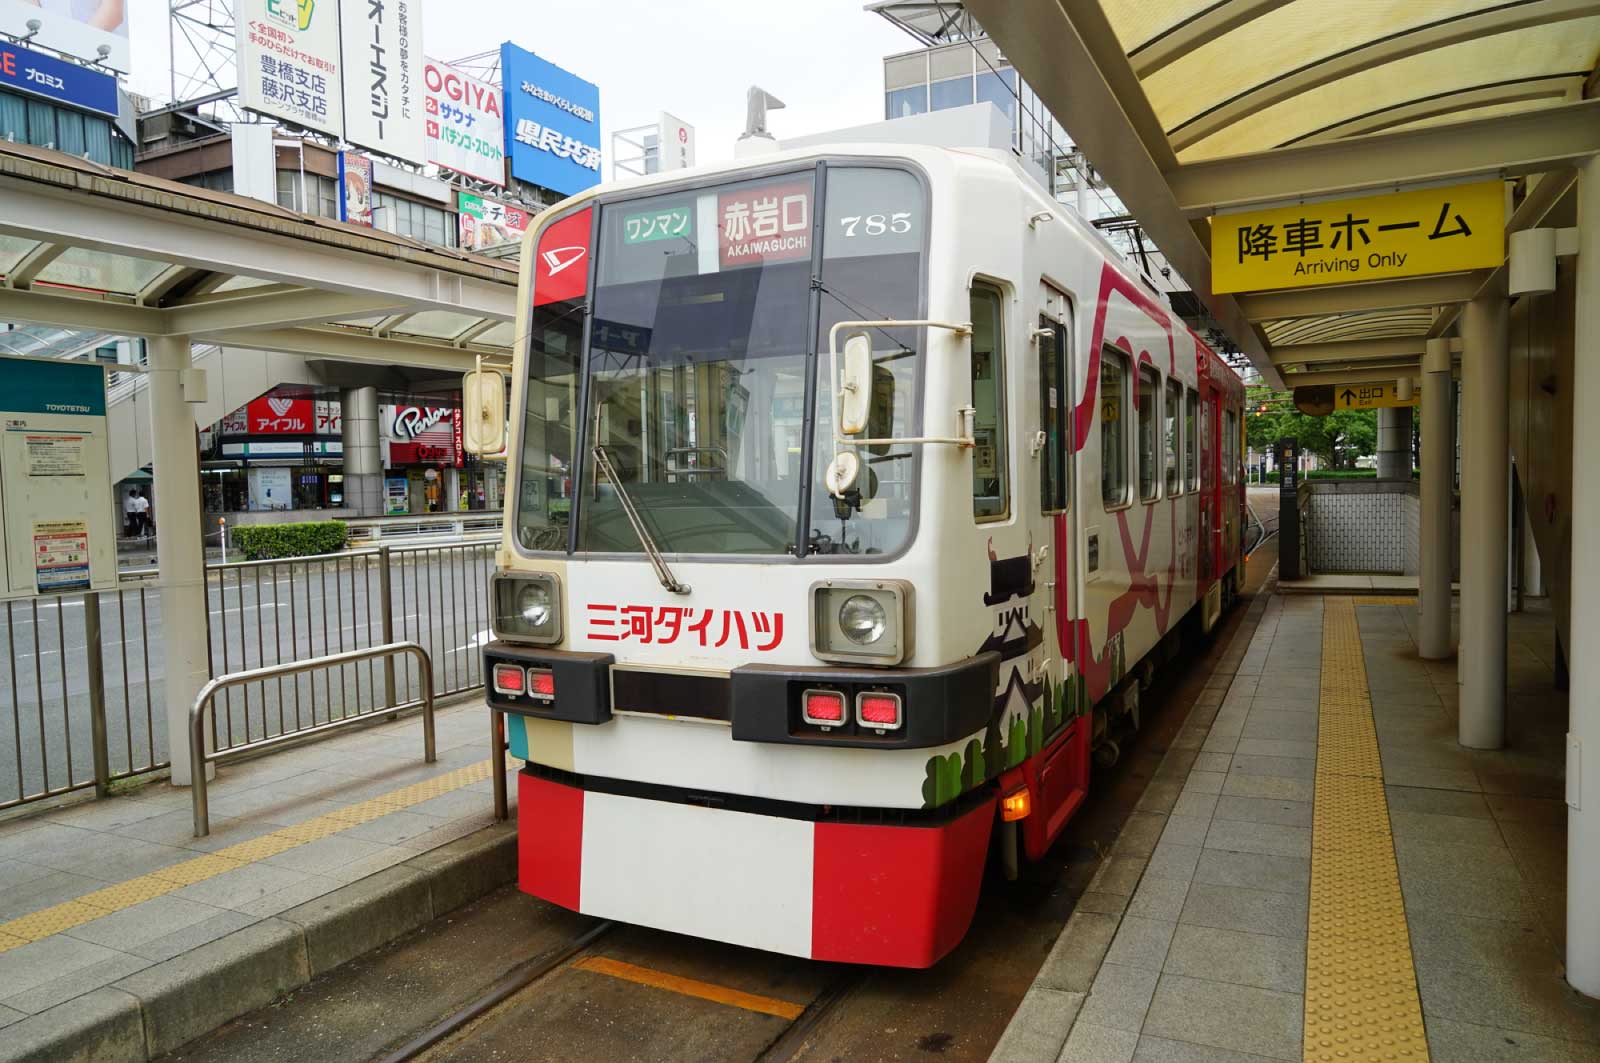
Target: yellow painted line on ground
column 689, row 987
column 117, row 896
column 1361, row 983
column 1369, row 600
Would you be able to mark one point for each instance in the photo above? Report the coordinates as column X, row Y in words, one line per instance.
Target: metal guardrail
column 458, row 523
column 82, row 691
column 199, row 757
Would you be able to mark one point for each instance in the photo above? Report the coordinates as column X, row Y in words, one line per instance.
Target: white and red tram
column 852, row 490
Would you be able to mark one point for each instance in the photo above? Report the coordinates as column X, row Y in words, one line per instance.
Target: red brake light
column 509, row 679
column 823, row 707
column 541, row 683
column 878, row 710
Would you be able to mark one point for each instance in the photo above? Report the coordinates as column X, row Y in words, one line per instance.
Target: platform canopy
column 1189, row 108
column 97, row 251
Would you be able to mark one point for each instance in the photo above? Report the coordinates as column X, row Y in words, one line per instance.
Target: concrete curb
column 1038, row 1030
column 163, row 1007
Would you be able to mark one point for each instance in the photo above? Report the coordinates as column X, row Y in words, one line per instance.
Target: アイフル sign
column 1346, row 241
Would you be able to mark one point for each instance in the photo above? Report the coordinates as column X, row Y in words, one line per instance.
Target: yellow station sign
column 1346, row 241
column 1322, row 399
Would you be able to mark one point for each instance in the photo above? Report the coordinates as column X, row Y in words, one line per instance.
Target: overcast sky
column 694, row 58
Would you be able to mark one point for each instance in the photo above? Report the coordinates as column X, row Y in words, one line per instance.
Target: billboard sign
column 287, row 53
column 420, row 435
column 464, row 123
column 37, row 74
column 383, row 76
column 484, row 223
column 355, row 188
column 78, row 29
column 552, row 123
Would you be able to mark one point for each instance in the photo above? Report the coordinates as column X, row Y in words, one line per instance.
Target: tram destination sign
column 1347, row 241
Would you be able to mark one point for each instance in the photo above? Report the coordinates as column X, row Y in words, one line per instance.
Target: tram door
column 1210, row 482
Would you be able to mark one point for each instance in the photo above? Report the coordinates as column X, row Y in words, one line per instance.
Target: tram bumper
column 872, row 893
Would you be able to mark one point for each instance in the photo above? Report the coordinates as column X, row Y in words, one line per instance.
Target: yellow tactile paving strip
column 1369, row 600
column 1361, row 985
column 114, row 898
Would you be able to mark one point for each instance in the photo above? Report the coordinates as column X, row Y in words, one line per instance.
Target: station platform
column 123, row 937
column 1335, row 878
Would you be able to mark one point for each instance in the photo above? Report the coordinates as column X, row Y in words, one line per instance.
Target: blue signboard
column 38, row 74
column 552, row 123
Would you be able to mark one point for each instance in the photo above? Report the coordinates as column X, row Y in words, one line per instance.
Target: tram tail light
column 509, row 679
column 878, row 710
column 822, row 708
column 1016, row 805
column 541, row 683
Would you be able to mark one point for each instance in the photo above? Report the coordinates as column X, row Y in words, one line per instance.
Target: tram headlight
column 861, row 621
column 527, row 607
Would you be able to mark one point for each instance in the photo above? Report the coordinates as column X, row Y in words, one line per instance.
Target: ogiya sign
column 1345, row 241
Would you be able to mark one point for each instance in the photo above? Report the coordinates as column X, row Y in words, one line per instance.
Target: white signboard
column 464, row 123
column 78, row 28
column 383, row 85
column 676, row 149
column 287, row 53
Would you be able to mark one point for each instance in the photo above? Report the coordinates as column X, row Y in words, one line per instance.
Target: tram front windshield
column 703, row 331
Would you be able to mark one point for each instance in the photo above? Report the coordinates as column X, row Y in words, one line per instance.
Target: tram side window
column 1191, row 439
column 1053, row 421
column 1172, row 410
column 1149, row 397
column 1230, row 446
column 990, row 491
column 1113, row 427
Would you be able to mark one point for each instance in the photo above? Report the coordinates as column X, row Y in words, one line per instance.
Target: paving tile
column 1223, row 1015
column 75, row 983
column 1276, row 786
column 370, row 865
column 1284, row 726
column 10, row 1015
column 1141, row 942
column 1447, row 940
column 1159, row 898
column 1511, row 1001
column 1102, row 903
column 1119, row 997
column 1118, row 875
column 1263, row 960
column 1278, row 874
column 1092, row 1043
column 1424, row 775
column 240, row 886
column 1464, row 891
column 1437, row 802
column 50, row 889
column 144, row 922
column 1451, row 1041
column 1273, row 839
column 1254, row 911
column 15, row 873
column 192, row 937
column 1265, row 810
column 1514, row 808
column 1223, row 742
column 1205, row 782
column 1283, row 767
column 1162, row 1050
column 1171, row 860
column 1160, row 795
column 1426, row 856
column 32, row 965
column 320, row 856
column 1459, row 830
column 1039, row 1027
column 1212, row 762
column 1186, row 830
column 1277, row 747
column 1192, row 803
column 308, row 888
column 1139, row 833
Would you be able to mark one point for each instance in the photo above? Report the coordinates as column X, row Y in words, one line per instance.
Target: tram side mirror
column 483, row 411
column 856, row 387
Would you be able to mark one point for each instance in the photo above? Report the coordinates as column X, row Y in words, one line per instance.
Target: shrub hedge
column 262, row 542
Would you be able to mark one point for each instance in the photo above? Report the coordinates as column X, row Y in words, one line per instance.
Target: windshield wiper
column 603, row 462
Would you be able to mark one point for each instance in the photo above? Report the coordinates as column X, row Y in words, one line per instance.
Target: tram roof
column 89, row 247
column 1191, row 107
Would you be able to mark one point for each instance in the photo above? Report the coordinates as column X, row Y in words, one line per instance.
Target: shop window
column 1113, row 427
column 1054, row 421
column 1149, row 452
column 1191, row 439
column 990, row 490
column 1172, row 410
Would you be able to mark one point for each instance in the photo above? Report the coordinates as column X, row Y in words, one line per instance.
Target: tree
column 1337, row 440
